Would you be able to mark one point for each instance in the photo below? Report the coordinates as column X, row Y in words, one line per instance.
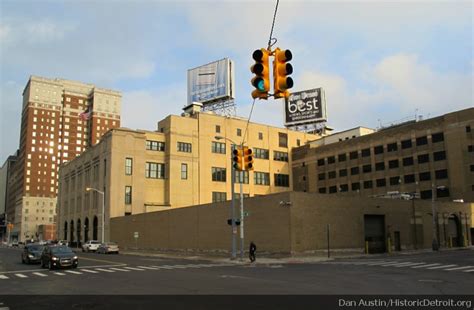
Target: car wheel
column 28, row 261
column 50, row 265
column 74, row 266
column 22, row 260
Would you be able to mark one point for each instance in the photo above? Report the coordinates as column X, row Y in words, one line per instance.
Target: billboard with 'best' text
column 305, row 107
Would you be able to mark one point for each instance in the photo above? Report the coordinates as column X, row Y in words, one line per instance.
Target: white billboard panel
column 306, row 107
column 211, row 82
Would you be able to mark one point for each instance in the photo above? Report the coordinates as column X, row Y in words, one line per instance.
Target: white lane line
column 390, row 264
column 19, row 275
column 60, row 273
column 3, row 277
column 120, row 269
column 90, row 271
column 412, row 264
column 105, row 270
column 133, row 268
column 470, row 270
column 146, row 267
column 402, row 264
column 40, row 274
column 460, row 268
column 442, row 266
column 74, row 272
column 424, row 266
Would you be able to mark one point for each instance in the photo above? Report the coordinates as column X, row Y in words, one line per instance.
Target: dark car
column 31, row 253
column 58, row 257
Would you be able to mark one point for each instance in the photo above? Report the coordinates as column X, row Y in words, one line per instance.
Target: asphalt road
column 443, row 273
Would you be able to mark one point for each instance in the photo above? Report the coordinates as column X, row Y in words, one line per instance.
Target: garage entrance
column 374, row 233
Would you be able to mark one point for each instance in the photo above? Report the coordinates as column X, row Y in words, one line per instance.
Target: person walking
column 252, row 250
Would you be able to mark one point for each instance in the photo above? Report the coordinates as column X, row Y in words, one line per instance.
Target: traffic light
column 261, row 80
column 281, row 70
column 248, row 159
column 237, row 158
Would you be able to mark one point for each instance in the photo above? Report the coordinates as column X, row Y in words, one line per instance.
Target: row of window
column 160, row 146
column 379, row 149
column 424, row 194
column 282, row 137
column 222, row 196
column 260, row 178
column 410, row 178
column 154, row 170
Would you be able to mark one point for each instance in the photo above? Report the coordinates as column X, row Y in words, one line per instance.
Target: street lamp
column 103, row 209
column 232, row 210
column 435, row 243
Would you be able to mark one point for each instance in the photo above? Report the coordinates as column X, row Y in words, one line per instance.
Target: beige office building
column 181, row 164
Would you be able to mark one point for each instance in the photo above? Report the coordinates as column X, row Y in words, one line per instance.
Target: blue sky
column 378, row 61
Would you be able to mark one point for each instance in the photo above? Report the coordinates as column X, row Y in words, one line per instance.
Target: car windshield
column 35, row 248
column 61, row 249
column 95, row 242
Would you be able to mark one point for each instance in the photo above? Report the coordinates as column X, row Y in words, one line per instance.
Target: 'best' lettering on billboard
column 305, row 107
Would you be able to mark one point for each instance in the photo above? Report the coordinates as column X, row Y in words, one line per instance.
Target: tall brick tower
column 60, row 119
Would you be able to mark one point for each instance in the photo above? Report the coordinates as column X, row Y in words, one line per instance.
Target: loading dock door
column 374, row 231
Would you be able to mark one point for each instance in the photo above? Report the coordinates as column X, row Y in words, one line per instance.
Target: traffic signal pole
column 232, row 212
column 241, row 220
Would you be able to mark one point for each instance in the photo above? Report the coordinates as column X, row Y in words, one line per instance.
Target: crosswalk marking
column 40, row 274
column 120, row 269
column 460, row 268
column 90, row 271
column 19, row 275
column 411, row 264
column 424, row 266
column 389, row 264
column 3, row 277
column 470, row 270
column 402, row 264
column 442, row 266
column 104, row 270
column 60, row 273
column 146, row 267
column 74, row 272
column 133, row 268
column 377, row 263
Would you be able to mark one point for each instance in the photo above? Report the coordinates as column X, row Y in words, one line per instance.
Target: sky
column 378, row 61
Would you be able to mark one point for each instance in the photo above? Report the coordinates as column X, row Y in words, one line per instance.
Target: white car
column 91, row 245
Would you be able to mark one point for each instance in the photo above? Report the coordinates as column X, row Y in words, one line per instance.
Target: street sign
column 135, row 235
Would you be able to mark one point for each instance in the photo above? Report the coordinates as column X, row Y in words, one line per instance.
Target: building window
column 241, row 177
column 341, row 157
column 280, row 156
column 331, row 174
column 472, row 167
column 421, row 141
column 441, row 174
column 219, row 196
column 218, row 147
column 282, row 180
column 392, row 164
column 321, row 176
column 184, row 171
column 322, row 190
column 128, row 195
column 442, row 192
column 155, row 145
column 239, row 132
column 262, row 178
column 366, row 168
column 425, row 176
column 332, row 189
column 408, row 161
column 378, row 149
column 380, row 166
column 468, row 128
column 354, row 170
column 409, row 178
column 260, row 136
column 261, row 153
column 441, row 155
column 342, row 172
column 298, row 142
column 368, row 184
column 437, row 137
column 331, row 160
column 321, row 162
column 218, row 129
column 470, row 148
column 355, row 186
column 406, row 144
column 154, row 171
column 395, row 180
column 353, row 155
column 282, row 139
column 184, row 147
column 344, row 188
column 218, row 174
column 423, row 158
column 381, row 182
column 392, row 147
column 426, row 194
column 365, row 152
column 128, row 166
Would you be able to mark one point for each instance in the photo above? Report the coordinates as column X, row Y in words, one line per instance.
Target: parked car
column 91, row 245
column 14, row 243
column 58, row 256
column 108, row 247
column 31, row 253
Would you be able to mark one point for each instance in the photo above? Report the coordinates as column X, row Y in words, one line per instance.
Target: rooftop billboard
column 305, row 107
